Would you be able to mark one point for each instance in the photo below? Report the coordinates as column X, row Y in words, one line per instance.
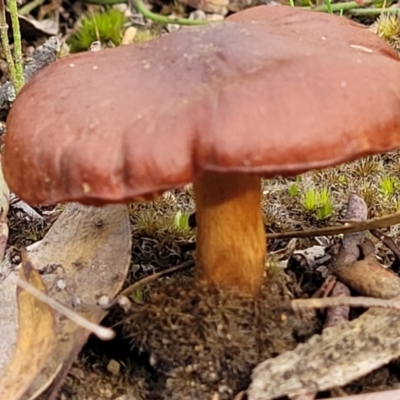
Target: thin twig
column 151, row 278
column 348, row 227
column 386, row 395
column 326, row 302
column 100, row 331
column 148, row 279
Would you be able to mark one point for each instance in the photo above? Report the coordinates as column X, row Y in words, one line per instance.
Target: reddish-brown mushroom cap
column 272, row 91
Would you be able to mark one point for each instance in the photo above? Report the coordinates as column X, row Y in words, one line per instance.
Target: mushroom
column 270, row 91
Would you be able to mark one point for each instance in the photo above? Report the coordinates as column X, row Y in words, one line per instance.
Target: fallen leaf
column 88, row 251
column 36, row 339
column 84, row 257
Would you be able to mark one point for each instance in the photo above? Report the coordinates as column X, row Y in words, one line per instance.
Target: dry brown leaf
column 84, row 256
column 36, row 339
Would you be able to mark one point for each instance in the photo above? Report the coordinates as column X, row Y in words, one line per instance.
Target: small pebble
column 113, row 367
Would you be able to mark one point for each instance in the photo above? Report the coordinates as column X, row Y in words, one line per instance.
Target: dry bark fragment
column 338, row 314
column 338, row 356
column 348, row 254
column 369, row 278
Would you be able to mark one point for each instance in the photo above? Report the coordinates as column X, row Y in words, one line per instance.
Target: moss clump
column 201, row 341
column 105, row 27
column 144, row 35
column 387, row 26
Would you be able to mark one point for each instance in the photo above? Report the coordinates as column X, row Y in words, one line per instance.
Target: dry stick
column 326, row 302
column 326, row 287
column 130, row 289
column 386, row 395
column 348, row 227
column 100, row 331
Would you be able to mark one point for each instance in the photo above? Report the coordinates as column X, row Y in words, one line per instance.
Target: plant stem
column 4, row 41
column 161, row 19
column 105, row 2
column 28, row 7
column 19, row 69
column 374, row 11
column 337, row 7
column 329, row 6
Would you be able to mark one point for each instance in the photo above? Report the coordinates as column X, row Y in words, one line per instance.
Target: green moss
column 310, row 199
column 318, row 201
column 387, row 186
column 144, row 35
column 388, row 27
column 293, row 190
column 105, row 27
column 181, row 222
